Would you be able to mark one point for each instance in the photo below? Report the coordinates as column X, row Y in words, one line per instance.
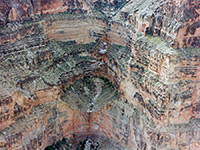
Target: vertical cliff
column 99, row 74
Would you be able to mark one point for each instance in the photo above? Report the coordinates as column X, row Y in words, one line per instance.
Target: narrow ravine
column 98, row 87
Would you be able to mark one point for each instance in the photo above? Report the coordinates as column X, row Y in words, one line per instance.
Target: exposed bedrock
column 115, row 75
column 175, row 21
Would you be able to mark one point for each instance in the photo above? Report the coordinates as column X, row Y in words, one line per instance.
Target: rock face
column 95, row 74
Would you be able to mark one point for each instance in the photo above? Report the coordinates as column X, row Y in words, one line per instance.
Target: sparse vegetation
column 60, row 145
column 107, row 82
column 64, row 144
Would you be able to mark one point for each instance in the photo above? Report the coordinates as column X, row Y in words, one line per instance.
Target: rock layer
column 124, row 71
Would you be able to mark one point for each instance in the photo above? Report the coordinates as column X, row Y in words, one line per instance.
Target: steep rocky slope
column 125, row 74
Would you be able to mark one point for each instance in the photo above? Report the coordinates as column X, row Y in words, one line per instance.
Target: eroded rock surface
column 124, row 74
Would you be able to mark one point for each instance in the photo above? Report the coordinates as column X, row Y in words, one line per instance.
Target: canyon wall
column 126, row 72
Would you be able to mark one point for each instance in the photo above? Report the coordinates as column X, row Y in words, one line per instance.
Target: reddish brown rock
column 102, row 69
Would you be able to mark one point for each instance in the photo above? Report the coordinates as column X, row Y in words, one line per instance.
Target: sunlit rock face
column 96, row 74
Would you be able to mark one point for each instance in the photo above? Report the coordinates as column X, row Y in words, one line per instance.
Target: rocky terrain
column 100, row 74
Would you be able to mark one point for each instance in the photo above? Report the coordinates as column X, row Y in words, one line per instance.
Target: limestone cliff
column 120, row 74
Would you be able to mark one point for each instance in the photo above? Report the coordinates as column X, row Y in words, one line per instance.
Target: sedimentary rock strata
column 99, row 74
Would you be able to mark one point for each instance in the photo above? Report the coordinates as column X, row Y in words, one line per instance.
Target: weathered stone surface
column 127, row 72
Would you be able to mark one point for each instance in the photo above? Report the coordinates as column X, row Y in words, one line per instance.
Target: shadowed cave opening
column 89, row 142
column 65, row 144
